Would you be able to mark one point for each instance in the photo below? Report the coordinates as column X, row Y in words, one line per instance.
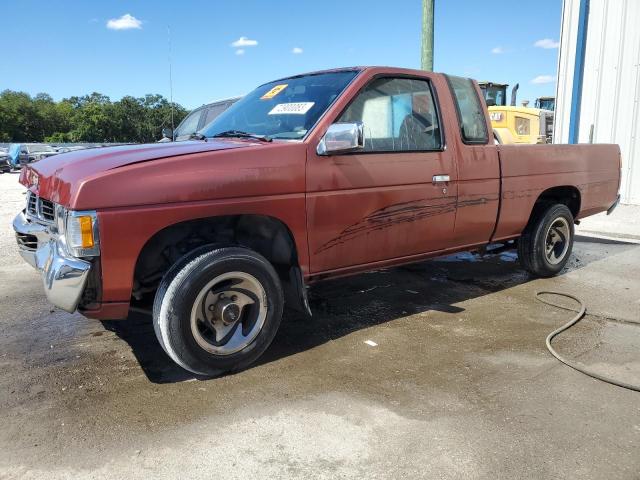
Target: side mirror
column 167, row 133
column 342, row 138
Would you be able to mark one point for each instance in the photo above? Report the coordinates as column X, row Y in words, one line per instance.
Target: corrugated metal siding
column 566, row 61
column 611, row 87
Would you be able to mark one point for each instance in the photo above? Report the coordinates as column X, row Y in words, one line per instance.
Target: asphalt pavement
column 437, row 370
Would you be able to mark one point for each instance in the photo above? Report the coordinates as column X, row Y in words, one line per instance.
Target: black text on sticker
column 299, row 108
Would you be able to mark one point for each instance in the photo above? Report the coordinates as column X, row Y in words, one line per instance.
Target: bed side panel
column 529, row 170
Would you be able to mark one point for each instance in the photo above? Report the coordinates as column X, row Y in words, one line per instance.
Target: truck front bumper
column 64, row 276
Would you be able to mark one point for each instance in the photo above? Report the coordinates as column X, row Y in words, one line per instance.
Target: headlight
column 82, row 234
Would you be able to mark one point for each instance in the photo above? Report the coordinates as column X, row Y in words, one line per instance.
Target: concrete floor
column 460, row 384
column 623, row 223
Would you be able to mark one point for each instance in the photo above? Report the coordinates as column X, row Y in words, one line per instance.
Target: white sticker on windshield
column 299, row 108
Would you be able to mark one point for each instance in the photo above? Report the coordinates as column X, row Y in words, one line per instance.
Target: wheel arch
column 568, row 195
column 267, row 235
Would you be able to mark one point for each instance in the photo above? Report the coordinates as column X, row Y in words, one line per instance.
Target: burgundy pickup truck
column 306, row 178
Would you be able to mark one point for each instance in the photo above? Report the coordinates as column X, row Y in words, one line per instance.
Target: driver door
column 392, row 200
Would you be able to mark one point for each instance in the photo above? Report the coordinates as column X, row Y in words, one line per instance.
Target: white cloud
column 244, row 42
column 497, row 50
column 125, row 22
column 540, row 79
column 297, row 50
column 546, row 43
column 240, row 51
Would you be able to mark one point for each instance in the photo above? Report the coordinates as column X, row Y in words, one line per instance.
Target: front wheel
column 546, row 244
column 218, row 309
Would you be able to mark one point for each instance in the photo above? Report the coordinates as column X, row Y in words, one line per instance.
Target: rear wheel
column 546, row 244
column 217, row 310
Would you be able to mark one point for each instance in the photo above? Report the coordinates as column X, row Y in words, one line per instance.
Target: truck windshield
column 285, row 108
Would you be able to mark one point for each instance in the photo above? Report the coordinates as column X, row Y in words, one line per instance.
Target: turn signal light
column 86, row 231
column 81, row 232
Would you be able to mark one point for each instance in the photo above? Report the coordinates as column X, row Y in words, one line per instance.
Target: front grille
column 47, row 210
column 32, row 204
column 40, row 208
column 30, row 242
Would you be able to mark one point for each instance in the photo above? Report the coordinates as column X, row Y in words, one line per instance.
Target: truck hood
column 54, row 177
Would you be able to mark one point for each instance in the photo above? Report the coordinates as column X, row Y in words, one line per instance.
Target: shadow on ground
column 346, row 305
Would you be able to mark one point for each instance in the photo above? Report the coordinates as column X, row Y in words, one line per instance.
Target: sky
column 220, row 49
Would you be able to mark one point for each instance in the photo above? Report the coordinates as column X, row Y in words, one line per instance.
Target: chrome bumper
column 64, row 276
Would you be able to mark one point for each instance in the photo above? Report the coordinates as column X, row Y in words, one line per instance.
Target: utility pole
column 427, row 35
column 170, row 76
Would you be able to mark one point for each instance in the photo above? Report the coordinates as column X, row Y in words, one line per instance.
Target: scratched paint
column 390, row 216
column 404, row 212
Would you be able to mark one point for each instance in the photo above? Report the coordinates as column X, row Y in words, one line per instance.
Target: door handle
column 441, row 178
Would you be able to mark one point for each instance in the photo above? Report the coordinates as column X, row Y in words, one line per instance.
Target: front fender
column 124, row 232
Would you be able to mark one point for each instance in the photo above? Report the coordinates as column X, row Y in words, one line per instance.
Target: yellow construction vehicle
column 516, row 124
column 546, row 103
column 521, row 124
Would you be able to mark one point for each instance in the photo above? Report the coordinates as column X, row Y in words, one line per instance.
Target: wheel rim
column 557, row 240
column 228, row 313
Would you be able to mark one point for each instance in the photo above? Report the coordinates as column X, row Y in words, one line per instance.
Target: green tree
column 88, row 118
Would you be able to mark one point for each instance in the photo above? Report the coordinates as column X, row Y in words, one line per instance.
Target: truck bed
column 529, row 170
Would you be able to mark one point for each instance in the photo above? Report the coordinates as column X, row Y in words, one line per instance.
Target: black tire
column 178, row 292
column 532, row 245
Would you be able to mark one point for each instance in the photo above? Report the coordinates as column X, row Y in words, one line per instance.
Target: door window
column 399, row 115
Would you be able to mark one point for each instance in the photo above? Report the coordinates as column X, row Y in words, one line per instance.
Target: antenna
column 170, row 76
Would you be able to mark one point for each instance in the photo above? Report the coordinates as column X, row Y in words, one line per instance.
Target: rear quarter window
column 473, row 126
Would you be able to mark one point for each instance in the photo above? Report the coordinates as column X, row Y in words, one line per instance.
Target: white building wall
column 566, row 61
column 610, row 106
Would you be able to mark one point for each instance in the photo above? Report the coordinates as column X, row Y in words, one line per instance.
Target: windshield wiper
column 196, row 136
column 240, row 134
